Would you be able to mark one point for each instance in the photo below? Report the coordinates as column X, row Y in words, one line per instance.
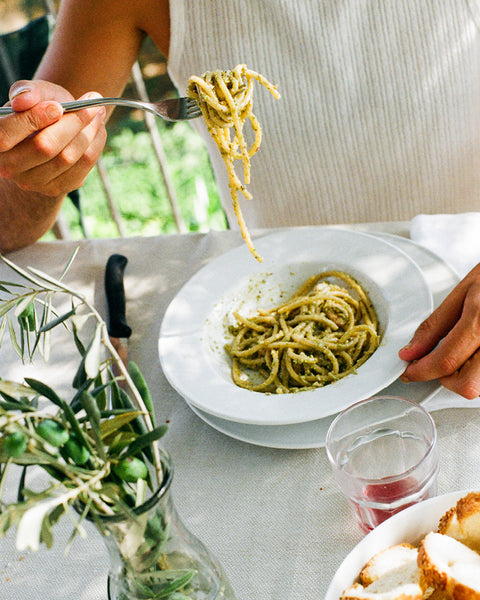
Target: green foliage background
column 138, row 188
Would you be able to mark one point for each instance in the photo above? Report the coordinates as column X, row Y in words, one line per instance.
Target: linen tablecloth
column 275, row 518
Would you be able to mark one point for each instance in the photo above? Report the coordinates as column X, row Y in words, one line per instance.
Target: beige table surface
column 275, row 518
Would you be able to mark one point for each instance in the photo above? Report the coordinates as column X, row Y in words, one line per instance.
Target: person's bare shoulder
column 154, row 20
column 89, row 29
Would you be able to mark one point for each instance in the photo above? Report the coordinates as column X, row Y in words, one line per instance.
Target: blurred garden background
column 149, row 181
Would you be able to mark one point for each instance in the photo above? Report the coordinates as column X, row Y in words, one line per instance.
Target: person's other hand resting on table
column 446, row 346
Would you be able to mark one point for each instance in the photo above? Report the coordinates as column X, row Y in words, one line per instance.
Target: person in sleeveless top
column 378, row 121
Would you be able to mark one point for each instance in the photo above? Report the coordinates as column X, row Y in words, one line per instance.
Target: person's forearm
column 24, row 216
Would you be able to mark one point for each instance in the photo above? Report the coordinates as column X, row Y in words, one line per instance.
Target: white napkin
column 455, row 238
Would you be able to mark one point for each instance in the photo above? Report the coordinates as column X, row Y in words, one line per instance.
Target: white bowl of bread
column 430, row 551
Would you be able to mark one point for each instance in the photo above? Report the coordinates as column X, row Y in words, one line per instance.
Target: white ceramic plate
column 194, row 329
column 441, row 278
column 410, row 525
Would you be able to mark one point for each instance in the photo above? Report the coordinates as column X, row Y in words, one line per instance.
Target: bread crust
column 462, row 521
column 436, row 556
column 448, row 521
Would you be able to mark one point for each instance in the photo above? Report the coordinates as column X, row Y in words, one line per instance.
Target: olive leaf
column 80, row 377
column 44, row 390
column 142, row 387
column 22, row 304
column 69, row 262
column 91, row 408
column 114, row 424
column 3, row 325
column 160, row 584
column 13, row 338
column 7, row 306
column 54, row 322
column 22, row 272
column 13, row 389
column 50, row 519
column 75, row 329
column 21, row 485
column 55, row 283
column 93, row 355
column 100, row 392
column 146, row 440
column 30, row 526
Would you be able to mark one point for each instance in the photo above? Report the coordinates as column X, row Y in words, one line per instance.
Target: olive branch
column 100, row 446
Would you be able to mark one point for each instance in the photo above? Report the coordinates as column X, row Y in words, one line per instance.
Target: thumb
column 24, row 94
column 16, row 127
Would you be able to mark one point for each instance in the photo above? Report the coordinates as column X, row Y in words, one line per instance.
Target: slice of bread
column 448, row 565
column 462, row 521
column 387, row 560
column 400, row 583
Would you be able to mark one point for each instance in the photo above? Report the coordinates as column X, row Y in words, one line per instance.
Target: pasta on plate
column 323, row 333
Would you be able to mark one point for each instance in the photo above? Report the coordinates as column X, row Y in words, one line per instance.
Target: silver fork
column 173, row 109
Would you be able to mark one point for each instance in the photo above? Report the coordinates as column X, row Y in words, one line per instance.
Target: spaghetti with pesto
column 323, row 333
column 226, row 101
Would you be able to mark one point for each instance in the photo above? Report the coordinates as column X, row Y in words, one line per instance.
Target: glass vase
column 153, row 555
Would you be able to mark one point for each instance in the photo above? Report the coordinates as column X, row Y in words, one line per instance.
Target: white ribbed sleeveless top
column 379, row 117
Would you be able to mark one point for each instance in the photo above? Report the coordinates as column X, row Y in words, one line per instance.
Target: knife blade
column 118, row 329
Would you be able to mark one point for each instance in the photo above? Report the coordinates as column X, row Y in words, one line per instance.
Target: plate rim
column 386, row 534
column 168, row 337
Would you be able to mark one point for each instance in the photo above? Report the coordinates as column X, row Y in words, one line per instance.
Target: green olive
column 75, row 450
column 52, row 432
column 15, row 444
column 131, row 469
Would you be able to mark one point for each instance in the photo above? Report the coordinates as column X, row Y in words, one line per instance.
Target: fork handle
column 79, row 104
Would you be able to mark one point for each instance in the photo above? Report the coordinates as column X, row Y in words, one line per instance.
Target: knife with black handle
column 118, row 329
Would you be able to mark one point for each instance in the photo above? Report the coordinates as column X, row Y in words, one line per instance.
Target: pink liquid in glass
column 398, row 494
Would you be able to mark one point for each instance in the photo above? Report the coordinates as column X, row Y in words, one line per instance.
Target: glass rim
column 388, row 478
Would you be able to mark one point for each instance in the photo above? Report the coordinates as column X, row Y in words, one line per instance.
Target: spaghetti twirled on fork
column 226, row 100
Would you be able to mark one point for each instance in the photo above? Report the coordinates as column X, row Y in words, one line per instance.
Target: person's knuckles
column 85, row 149
column 71, row 179
column 446, row 364
column 43, row 114
column 472, row 307
column 432, row 367
column 469, row 390
column 46, row 146
column 465, row 385
column 8, row 136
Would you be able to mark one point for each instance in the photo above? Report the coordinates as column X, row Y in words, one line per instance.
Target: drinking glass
column 384, row 456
